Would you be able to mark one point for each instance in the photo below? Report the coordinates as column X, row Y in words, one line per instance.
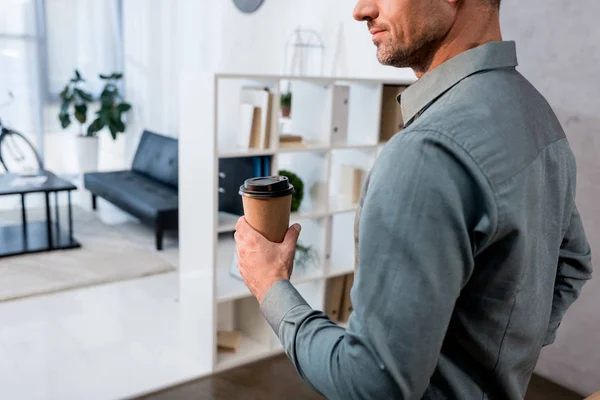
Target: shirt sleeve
column 415, row 254
column 574, row 269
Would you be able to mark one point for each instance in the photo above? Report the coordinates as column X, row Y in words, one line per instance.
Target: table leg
column 24, row 218
column 70, row 217
column 56, row 211
column 48, row 220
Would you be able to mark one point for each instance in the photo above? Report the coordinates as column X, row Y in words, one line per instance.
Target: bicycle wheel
column 18, row 155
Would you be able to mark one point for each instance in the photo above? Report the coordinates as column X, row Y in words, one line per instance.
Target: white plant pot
column 87, row 153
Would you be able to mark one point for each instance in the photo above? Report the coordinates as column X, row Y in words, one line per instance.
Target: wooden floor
column 276, row 378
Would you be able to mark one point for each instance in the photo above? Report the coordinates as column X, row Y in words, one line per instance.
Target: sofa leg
column 159, row 239
column 93, row 201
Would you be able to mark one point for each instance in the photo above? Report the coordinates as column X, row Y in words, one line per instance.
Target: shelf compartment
column 310, row 111
column 355, row 113
column 230, row 286
column 245, row 317
column 232, row 93
column 342, row 252
column 312, row 168
column 349, row 170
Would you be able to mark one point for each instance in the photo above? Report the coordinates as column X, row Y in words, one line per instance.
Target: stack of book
column 256, row 117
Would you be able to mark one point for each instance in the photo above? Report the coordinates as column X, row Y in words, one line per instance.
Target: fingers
column 241, row 222
column 292, row 234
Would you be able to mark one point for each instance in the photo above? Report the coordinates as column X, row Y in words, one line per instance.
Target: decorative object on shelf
column 228, row 341
column 112, row 107
column 248, row 6
column 304, row 255
column 298, row 185
column 304, row 53
column 286, row 104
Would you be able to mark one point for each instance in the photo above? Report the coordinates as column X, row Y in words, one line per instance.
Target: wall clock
column 248, row 6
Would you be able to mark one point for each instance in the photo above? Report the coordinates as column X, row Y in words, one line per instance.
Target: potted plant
column 74, row 103
column 298, row 185
column 112, row 107
column 286, row 104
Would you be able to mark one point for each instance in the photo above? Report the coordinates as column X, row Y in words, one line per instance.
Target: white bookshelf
column 209, row 121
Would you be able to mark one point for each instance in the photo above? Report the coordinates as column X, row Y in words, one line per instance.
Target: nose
column 365, row 10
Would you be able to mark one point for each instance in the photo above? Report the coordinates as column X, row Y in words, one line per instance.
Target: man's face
column 406, row 32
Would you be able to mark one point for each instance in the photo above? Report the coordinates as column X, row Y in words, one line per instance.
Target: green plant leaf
column 65, row 92
column 104, row 77
column 84, row 95
column 117, row 75
column 95, row 126
column 78, row 75
column 65, row 120
column 113, row 131
column 64, row 108
column 124, row 107
column 81, row 113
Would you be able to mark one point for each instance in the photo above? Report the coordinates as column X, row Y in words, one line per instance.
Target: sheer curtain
column 83, row 34
column 152, row 61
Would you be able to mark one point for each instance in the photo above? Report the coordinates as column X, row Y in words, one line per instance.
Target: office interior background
column 146, row 299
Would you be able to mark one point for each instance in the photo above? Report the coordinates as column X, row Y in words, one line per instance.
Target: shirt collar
column 419, row 95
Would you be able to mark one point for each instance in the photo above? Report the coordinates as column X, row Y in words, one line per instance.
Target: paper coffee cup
column 267, row 204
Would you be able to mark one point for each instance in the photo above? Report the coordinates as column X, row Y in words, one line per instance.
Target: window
column 20, row 41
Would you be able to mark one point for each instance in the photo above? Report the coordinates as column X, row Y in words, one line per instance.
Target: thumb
column 291, row 236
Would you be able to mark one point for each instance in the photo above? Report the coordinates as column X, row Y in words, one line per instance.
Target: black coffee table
column 33, row 237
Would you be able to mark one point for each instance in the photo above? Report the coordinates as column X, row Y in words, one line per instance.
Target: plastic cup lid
column 267, row 187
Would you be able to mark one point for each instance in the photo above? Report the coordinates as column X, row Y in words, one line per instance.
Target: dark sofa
column 149, row 191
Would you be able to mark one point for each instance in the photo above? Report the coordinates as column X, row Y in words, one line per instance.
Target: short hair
column 495, row 3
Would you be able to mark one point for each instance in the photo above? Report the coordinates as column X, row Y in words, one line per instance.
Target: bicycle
column 17, row 153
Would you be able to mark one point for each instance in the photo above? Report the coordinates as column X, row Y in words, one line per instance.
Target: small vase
column 285, row 112
column 87, row 153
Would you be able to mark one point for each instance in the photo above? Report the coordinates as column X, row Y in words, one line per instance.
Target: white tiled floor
column 104, row 342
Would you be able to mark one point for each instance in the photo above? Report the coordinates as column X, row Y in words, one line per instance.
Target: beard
column 417, row 55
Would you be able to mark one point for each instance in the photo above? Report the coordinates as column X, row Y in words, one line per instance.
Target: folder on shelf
column 339, row 115
column 391, row 113
column 346, row 308
column 334, row 297
column 351, row 181
column 261, row 99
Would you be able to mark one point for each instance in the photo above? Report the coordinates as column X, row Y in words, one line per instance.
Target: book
column 228, row 340
column 261, row 99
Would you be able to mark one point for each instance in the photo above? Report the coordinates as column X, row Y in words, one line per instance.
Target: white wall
column 256, row 43
column 559, row 51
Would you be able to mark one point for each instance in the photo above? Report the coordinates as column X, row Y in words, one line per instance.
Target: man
column 470, row 246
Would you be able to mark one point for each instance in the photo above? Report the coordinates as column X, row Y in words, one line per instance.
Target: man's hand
column 261, row 262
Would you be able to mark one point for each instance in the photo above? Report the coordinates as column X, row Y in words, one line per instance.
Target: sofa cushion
column 135, row 193
column 157, row 157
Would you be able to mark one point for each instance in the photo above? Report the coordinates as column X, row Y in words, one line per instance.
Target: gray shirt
column 470, row 247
